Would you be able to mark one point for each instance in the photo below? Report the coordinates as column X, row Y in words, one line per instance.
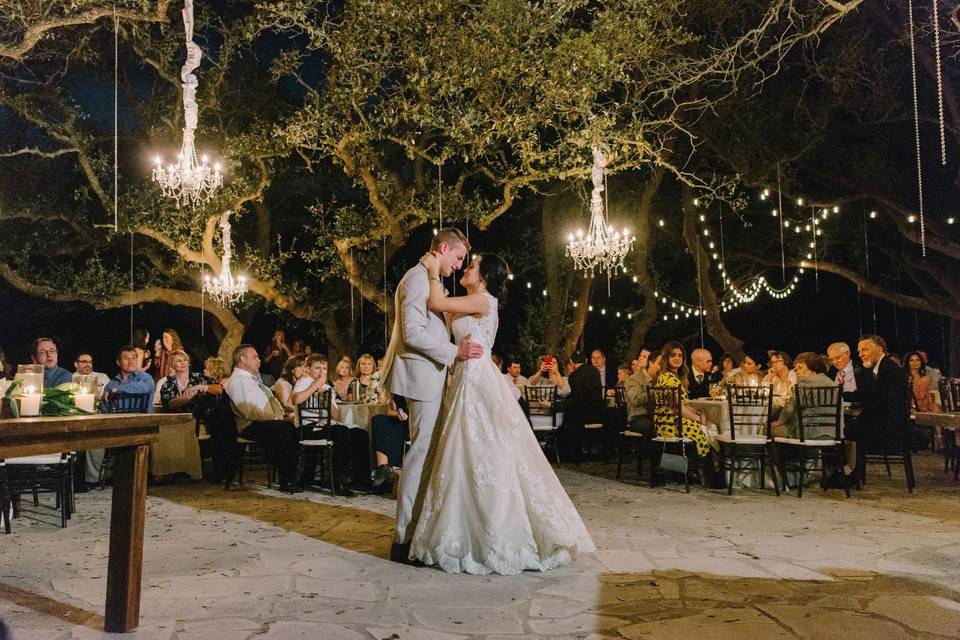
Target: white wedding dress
column 493, row 504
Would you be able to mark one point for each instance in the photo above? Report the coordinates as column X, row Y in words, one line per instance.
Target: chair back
column 540, row 400
column 665, row 406
column 818, row 412
column 750, row 409
column 314, row 412
column 122, row 402
column 953, row 393
column 620, row 398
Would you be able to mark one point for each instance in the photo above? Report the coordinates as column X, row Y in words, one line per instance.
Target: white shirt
column 849, row 380
column 303, row 384
column 518, row 382
column 252, row 401
column 603, row 374
column 876, row 367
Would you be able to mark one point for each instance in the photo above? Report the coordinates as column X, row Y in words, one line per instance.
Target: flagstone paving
column 253, row 563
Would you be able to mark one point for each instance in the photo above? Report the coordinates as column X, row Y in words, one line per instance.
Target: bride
column 493, row 503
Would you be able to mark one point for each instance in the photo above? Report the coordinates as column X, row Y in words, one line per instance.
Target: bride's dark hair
column 496, row 273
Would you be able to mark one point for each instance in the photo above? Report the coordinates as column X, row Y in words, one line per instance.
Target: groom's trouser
column 417, row 465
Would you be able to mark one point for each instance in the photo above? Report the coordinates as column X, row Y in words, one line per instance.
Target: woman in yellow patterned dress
column 674, row 374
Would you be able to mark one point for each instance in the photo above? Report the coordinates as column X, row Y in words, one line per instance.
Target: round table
column 360, row 415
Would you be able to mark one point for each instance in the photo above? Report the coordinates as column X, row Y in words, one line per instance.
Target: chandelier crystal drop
column 225, row 289
column 602, row 248
column 189, row 181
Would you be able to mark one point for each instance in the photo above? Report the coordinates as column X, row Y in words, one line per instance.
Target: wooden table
column 947, row 420
column 130, row 435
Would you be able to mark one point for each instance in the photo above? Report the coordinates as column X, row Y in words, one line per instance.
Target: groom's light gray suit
column 416, row 367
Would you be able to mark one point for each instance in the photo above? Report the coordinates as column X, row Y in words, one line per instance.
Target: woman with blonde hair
column 342, row 377
column 366, row 375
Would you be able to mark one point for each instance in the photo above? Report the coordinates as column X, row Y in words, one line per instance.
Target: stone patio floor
column 257, row 564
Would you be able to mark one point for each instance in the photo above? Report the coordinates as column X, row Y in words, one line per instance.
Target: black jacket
column 586, row 394
column 862, row 376
column 702, row 389
column 884, row 413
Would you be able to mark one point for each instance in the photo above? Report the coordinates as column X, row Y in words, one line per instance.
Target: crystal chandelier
column 189, row 181
column 601, row 248
column 224, row 289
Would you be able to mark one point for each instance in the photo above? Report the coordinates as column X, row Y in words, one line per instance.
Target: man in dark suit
column 854, row 378
column 608, row 373
column 700, row 377
column 881, row 425
column 583, row 405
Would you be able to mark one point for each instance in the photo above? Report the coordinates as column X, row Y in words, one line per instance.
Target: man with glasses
column 854, row 378
column 83, row 366
column 45, row 352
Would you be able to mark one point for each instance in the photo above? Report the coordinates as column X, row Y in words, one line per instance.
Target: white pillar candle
column 30, row 404
column 84, row 401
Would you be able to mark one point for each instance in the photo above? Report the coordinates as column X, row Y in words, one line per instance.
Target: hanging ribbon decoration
column 813, row 234
column 783, row 253
column 936, row 41
column 916, row 126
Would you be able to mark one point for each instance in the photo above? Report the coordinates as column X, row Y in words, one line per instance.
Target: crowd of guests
column 267, row 397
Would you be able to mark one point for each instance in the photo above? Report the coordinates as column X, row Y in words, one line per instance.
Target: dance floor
column 258, row 564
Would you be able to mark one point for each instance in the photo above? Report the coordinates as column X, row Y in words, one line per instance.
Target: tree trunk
column 641, row 253
column 711, row 310
column 263, row 228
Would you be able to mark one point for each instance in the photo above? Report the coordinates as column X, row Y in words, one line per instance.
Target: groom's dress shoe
column 400, row 552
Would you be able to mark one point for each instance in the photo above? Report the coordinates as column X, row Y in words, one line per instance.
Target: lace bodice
column 482, row 328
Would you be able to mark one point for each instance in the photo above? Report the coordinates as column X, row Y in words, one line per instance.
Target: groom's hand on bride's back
column 469, row 350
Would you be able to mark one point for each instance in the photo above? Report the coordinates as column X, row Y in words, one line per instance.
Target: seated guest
column 130, row 379
column 215, row 374
column 919, row 386
column 598, row 359
column 695, row 425
column 179, row 391
column 749, row 374
column 854, row 377
column 293, row 369
column 781, row 379
column 351, row 447
column 342, row 377
column 548, row 375
column 583, row 405
column 45, row 352
column 932, row 371
column 624, row 371
column 513, row 374
column 811, row 372
column 275, row 355
column 728, row 367
column 641, row 361
column 296, row 349
column 635, row 389
column 388, row 434
column 700, row 376
column 369, row 381
column 880, row 427
column 83, row 366
column 260, row 415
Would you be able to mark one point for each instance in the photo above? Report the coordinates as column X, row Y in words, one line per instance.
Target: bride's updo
column 496, row 274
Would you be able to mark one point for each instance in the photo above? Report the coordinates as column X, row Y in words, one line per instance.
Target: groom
column 416, row 368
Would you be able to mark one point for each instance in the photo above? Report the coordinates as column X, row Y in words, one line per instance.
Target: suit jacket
column 609, row 375
column 702, row 389
column 884, row 411
column 585, row 392
column 420, row 350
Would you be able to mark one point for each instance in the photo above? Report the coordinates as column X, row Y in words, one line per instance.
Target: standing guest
column 781, row 377
column 695, row 426
column 855, row 378
column 635, row 389
column 260, row 415
column 351, row 447
column 749, row 374
column 45, row 352
column 179, row 390
column 548, row 375
column 342, row 377
column 296, row 349
column 583, row 405
column 129, row 379
column 598, row 359
column 293, row 369
column 368, row 378
column 811, row 371
column 700, row 376
column 513, row 375
column 275, row 355
column 83, row 366
column 880, row 426
column 141, row 342
column 497, row 360
column 168, row 342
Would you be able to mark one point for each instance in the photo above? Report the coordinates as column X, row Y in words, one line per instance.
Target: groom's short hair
column 451, row 236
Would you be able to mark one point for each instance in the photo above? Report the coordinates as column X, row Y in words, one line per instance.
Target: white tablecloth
column 359, row 416
column 718, row 412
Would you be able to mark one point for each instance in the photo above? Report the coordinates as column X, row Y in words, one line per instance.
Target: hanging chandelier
column 601, row 248
column 189, row 181
column 224, row 289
